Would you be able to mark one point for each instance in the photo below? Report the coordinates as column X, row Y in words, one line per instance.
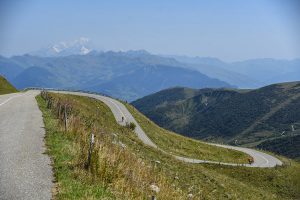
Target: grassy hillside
column 6, row 87
column 183, row 146
column 247, row 117
column 122, row 167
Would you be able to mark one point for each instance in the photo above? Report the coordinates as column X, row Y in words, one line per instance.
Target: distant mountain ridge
column 251, row 73
column 125, row 75
column 76, row 65
column 243, row 117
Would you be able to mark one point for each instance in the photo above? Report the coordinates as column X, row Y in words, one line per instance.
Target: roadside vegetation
column 6, row 87
column 115, row 172
column 122, row 167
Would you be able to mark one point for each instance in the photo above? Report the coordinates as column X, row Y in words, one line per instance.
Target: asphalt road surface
column 261, row 159
column 25, row 171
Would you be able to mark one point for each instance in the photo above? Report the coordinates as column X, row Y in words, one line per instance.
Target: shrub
column 131, row 126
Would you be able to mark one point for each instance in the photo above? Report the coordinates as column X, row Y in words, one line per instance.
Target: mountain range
column 133, row 74
column 251, row 73
column 125, row 75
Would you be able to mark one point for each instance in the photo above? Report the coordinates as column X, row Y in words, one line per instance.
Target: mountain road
column 118, row 109
column 25, row 171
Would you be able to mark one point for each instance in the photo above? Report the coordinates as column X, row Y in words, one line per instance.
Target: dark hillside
column 287, row 146
column 244, row 117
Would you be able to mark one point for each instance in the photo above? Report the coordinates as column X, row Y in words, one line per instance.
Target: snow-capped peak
column 56, row 49
column 80, row 46
column 84, row 50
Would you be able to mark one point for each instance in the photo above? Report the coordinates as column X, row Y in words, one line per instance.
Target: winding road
column 261, row 159
column 25, row 171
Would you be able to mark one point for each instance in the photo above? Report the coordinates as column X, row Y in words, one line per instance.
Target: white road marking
column 267, row 161
column 25, row 171
column 117, row 108
column 10, row 98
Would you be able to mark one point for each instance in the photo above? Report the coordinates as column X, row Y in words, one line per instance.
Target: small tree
column 131, row 126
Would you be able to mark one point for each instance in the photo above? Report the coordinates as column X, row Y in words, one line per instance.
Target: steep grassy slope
column 6, row 87
column 243, row 116
column 183, row 146
column 123, row 168
column 115, row 170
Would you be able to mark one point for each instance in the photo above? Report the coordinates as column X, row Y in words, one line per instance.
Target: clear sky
column 228, row 29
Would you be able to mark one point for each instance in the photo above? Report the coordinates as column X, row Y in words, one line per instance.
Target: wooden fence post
column 66, row 117
column 155, row 190
column 92, row 141
column 49, row 103
column 59, row 111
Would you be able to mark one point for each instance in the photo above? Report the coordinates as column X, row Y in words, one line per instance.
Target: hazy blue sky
column 229, row 29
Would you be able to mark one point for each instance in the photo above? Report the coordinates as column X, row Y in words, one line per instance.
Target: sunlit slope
column 6, row 87
column 122, row 167
column 183, row 146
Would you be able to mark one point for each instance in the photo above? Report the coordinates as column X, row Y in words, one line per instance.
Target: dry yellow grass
column 112, row 164
column 119, row 172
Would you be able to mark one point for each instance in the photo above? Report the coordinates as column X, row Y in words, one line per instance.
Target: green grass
column 183, row 146
column 176, row 179
column 6, row 87
column 61, row 149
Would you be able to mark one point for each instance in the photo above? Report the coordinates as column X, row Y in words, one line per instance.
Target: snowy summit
column 80, row 46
